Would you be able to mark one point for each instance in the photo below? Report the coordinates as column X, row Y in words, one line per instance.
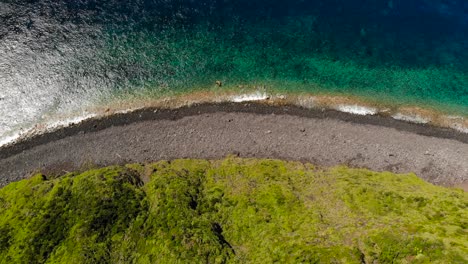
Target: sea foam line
column 44, row 128
column 10, row 139
column 67, row 122
column 309, row 102
column 257, row 96
column 413, row 118
column 357, row 109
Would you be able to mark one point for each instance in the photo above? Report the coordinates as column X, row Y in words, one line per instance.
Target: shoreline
column 349, row 104
column 340, row 107
column 123, row 126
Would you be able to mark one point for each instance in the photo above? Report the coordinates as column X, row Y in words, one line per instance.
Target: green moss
column 231, row 211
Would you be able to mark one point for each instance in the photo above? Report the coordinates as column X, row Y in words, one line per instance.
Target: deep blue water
column 66, row 56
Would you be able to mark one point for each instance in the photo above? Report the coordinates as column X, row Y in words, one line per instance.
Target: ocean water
column 60, row 59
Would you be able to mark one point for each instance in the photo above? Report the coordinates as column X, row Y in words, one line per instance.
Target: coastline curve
column 325, row 137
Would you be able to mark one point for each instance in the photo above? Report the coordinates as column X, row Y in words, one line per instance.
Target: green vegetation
column 231, row 211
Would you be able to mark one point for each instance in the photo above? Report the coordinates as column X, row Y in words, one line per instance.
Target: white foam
column 44, row 128
column 411, row 118
column 67, row 122
column 357, row 109
column 454, row 117
column 307, row 101
column 125, row 111
column 9, row 139
column 257, row 96
column 460, row 128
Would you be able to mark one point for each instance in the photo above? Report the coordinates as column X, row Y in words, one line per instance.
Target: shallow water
column 63, row 58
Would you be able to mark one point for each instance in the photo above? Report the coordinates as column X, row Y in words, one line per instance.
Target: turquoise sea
column 62, row 58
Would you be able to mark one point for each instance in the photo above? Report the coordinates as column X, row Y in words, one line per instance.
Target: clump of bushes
column 231, row 211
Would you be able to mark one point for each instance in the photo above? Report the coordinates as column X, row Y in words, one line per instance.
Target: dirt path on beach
column 324, row 139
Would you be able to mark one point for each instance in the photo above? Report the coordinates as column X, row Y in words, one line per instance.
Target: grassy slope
column 234, row 211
